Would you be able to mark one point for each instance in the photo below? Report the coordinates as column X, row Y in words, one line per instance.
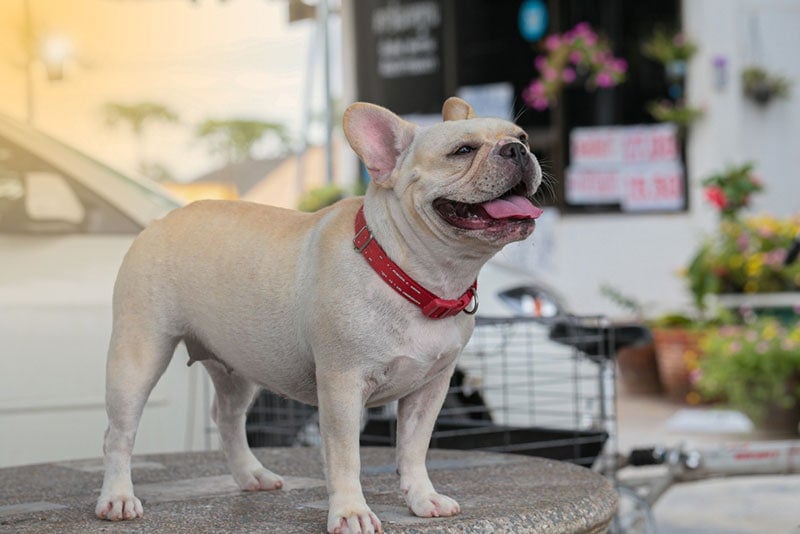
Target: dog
column 362, row 303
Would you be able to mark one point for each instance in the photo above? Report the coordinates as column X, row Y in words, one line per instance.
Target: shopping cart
column 539, row 387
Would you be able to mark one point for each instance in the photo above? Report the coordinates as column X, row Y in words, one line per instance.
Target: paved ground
column 768, row 504
column 194, row 493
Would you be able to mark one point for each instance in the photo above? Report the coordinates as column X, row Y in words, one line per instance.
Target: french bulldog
column 296, row 302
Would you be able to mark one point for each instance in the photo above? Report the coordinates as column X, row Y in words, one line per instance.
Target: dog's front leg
column 416, row 415
column 341, row 402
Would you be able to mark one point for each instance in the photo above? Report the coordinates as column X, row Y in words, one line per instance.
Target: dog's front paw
column 258, row 479
column 119, row 507
column 432, row 504
column 357, row 519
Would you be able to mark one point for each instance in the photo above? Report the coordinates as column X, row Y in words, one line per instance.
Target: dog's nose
column 515, row 151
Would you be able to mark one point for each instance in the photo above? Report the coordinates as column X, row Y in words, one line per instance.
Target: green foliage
column 138, row 115
column 234, row 139
column 320, row 197
column 666, row 47
column 762, row 86
column 745, row 256
column 676, row 320
column 753, row 367
column 675, row 112
column 731, row 189
column 626, row 302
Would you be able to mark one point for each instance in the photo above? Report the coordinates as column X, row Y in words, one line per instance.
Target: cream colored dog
column 267, row 297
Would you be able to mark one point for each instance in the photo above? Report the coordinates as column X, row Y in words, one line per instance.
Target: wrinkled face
column 472, row 178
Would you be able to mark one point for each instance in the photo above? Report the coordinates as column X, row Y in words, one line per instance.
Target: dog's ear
column 455, row 109
column 379, row 137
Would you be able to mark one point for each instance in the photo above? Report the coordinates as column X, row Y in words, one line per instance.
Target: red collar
column 431, row 305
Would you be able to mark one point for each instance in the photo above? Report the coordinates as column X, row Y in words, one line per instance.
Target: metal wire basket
column 522, row 385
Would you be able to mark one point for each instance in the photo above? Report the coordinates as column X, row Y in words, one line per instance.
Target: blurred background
column 669, row 131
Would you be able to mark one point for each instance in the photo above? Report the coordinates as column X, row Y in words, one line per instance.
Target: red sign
column 634, row 187
column 617, row 145
column 637, row 167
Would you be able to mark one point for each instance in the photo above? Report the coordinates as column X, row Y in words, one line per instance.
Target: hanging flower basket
column 576, row 57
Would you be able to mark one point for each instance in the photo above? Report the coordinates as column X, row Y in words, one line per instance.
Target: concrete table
column 193, row 492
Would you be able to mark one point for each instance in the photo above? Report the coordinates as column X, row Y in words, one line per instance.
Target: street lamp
column 55, row 51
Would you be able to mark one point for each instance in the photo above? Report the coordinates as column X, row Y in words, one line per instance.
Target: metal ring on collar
column 474, row 301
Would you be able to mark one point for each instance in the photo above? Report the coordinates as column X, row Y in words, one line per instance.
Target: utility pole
column 29, row 60
column 322, row 14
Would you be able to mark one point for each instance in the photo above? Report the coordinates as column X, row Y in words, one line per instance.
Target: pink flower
column 742, row 242
column 540, row 104
column 552, row 42
column 540, row 62
column 568, row 76
column 534, row 95
column 604, row 79
column 618, row 65
column 575, row 57
column 550, row 74
column 695, row 376
column 775, row 258
column 582, row 28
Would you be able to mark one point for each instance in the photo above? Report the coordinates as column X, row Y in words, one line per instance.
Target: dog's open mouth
column 508, row 208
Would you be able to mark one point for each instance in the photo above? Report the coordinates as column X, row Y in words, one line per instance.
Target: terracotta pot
column 638, row 370
column 674, row 347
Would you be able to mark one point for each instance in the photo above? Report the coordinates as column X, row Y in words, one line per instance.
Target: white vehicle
column 66, row 222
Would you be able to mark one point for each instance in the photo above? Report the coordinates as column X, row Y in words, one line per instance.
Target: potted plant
column 673, row 50
column 744, row 263
column 754, row 368
column 677, row 112
column 761, row 86
column 677, row 343
column 730, row 191
column 576, row 56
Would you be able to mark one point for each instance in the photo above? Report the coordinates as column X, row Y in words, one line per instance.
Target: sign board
column 399, row 54
column 636, row 167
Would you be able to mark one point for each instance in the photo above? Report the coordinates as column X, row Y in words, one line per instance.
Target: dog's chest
column 408, row 366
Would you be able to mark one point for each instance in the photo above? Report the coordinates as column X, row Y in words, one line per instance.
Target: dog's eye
column 465, row 149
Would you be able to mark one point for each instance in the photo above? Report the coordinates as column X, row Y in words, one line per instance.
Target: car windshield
column 139, row 199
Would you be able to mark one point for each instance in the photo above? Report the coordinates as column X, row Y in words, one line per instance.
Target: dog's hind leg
column 234, row 395
column 135, row 363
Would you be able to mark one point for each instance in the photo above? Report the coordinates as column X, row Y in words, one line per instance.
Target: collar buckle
column 362, row 241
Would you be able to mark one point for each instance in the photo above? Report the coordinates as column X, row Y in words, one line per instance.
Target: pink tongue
column 511, row 207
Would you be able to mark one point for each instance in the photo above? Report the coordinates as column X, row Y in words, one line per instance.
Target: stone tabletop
column 193, row 492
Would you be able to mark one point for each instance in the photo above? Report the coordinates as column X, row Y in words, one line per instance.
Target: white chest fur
column 428, row 349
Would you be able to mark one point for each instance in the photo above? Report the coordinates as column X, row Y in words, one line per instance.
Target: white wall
column 747, row 32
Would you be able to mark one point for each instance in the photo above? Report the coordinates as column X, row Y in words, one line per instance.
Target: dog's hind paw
column 119, row 507
column 260, row 479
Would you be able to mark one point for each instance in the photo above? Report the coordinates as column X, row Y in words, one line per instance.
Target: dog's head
column 466, row 177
